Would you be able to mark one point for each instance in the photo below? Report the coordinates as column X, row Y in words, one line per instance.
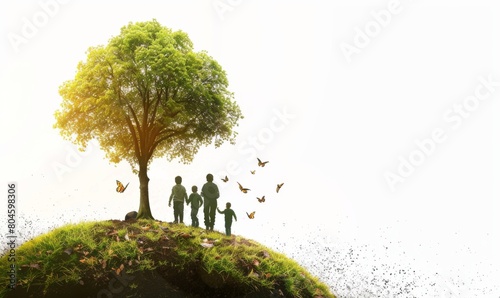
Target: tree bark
column 144, row 209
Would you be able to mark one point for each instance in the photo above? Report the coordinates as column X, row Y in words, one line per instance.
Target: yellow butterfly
column 120, row 187
column 225, row 179
column 251, row 215
column 244, row 190
column 261, row 200
column 261, row 163
column 278, row 187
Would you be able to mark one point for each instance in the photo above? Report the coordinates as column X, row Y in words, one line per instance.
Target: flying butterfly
column 120, row 187
column 252, row 172
column 261, row 163
column 244, row 190
column 251, row 215
column 261, row 200
column 278, row 187
column 225, row 179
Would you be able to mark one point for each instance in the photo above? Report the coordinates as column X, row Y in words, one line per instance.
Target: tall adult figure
column 210, row 194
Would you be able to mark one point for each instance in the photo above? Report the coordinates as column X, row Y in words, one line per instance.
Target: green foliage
column 148, row 94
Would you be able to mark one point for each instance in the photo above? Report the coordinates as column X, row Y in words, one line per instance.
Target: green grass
column 86, row 253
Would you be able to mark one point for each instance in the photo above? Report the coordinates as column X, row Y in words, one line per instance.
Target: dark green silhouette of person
column 228, row 217
column 179, row 195
column 210, row 194
column 196, row 202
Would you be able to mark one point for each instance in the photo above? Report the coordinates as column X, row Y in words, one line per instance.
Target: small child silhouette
column 228, row 217
column 196, row 202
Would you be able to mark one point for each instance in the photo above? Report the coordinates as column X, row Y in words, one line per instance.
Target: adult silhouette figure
column 210, row 194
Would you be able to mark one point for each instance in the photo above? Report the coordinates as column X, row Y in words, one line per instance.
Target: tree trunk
column 144, row 209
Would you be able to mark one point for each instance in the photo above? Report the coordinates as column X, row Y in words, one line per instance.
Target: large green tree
column 147, row 94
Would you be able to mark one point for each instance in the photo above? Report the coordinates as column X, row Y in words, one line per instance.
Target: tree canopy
column 148, row 94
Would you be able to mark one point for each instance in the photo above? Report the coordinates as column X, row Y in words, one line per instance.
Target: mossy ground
column 147, row 258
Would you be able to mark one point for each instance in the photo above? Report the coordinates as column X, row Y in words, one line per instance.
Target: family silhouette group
column 206, row 198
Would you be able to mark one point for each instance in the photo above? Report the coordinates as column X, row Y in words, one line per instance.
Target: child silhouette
column 228, row 217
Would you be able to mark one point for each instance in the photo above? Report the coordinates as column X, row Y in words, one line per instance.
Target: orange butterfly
column 278, row 187
column 225, row 179
column 244, row 190
column 261, row 200
column 120, row 187
column 261, row 163
column 251, row 215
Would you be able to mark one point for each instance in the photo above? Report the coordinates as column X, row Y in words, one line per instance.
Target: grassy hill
column 152, row 259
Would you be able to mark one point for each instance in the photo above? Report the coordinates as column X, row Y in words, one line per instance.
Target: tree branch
column 168, row 136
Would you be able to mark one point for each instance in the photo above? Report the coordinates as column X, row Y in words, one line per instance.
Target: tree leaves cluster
column 148, row 94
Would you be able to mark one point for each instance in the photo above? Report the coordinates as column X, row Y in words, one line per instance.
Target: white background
column 331, row 124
